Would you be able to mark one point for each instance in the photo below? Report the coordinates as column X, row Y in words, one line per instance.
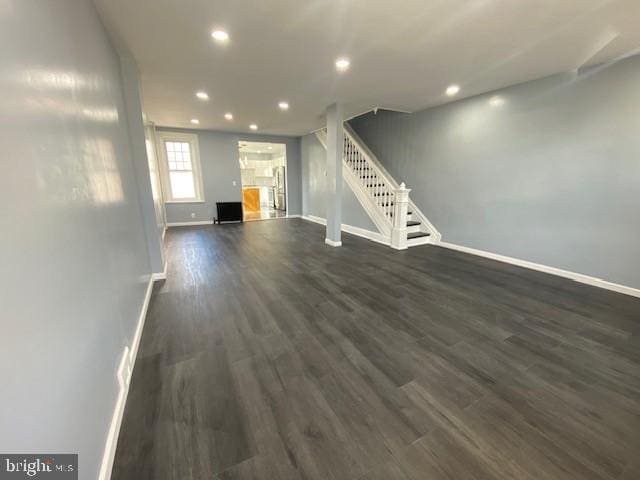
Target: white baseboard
column 332, row 243
column 368, row 234
column 125, row 369
column 160, row 275
column 578, row 277
column 189, row 224
column 360, row 232
column 314, row 219
column 294, row 216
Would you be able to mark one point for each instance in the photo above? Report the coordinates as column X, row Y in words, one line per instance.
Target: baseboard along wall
column 124, row 372
column 578, row 277
column 360, row 232
column 188, row 224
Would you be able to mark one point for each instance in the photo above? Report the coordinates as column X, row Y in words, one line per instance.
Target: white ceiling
column 403, row 53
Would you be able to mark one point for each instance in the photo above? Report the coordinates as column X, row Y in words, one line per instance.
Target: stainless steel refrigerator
column 280, row 197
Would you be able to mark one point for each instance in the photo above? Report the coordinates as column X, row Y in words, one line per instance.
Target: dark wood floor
column 268, row 355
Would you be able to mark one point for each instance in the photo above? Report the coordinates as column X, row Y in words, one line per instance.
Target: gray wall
column 314, row 187
column 220, row 168
column 551, row 176
column 74, row 256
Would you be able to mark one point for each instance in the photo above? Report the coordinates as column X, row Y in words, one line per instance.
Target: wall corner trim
column 124, row 372
column 578, row 277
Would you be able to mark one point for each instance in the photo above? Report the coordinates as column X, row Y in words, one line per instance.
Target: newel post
column 400, row 208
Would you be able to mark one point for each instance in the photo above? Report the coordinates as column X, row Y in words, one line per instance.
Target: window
column 181, row 175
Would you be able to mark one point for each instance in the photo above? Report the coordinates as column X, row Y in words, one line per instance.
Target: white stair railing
column 417, row 214
column 374, row 182
column 386, row 202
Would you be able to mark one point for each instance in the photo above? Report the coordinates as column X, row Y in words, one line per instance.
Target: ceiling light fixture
column 342, row 64
column 496, row 101
column 202, row 95
column 220, row 36
column 269, row 147
column 228, row 116
column 283, row 105
column 195, row 121
column 253, row 126
column 452, row 90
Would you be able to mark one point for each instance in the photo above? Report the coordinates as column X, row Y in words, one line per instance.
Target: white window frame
column 192, row 139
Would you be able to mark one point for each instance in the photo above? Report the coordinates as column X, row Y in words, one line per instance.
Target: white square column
column 335, row 139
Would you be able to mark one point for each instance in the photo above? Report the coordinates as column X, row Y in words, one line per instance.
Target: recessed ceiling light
column 195, row 121
column 228, row 116
column 253, row 126
column 202, row 95
column 220, row 36
column 342, row 64
column 452, row 90
column 283, row 105
column 269, row 147
column 496, row 101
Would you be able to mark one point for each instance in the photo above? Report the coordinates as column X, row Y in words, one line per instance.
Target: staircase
column 386, row 202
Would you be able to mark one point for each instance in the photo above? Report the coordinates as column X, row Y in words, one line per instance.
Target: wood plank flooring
column 268, row 355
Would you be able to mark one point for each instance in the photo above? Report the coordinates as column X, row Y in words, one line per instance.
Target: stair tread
column 417, row 235
column 412, row 223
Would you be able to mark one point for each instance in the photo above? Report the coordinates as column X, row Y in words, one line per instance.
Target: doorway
column 263, row 173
